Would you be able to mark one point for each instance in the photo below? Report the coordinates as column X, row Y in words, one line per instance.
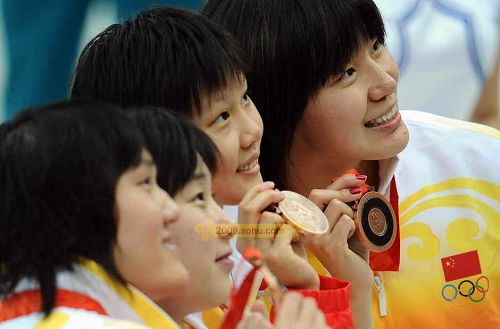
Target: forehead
column 147, row 162
column 202, row 170
column 234, row 87
column 146, row 157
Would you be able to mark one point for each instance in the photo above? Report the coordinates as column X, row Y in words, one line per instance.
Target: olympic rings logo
column 466, row 288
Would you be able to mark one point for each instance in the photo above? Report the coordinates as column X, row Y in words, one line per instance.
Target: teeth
column 249, row 166
column 382, row 119
column 170, row 246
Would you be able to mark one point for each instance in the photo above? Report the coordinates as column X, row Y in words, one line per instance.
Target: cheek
column 198, row 256
column 138, row 223
column 392, row 67
column 228, row 159
column 189, row 232
column 127, row 226
column 330, row 117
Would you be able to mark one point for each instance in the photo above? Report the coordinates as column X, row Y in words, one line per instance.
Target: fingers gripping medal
column 302, row 214
column 375, row 219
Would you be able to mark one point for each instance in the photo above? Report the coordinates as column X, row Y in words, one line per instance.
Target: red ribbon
column 239, row 298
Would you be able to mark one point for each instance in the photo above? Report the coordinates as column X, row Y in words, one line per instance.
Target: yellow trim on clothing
column 213, row 317
column 56, row 320
column 316, row 264
column 149, row 312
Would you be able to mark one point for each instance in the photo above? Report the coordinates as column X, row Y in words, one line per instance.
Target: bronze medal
column 302, row 214
column 375, row 222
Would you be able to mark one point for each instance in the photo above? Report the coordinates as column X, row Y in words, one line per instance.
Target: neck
column 311, row 171
column 175, row 309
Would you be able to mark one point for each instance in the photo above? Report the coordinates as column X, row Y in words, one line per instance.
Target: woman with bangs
column 87, row 235
column 86, row 231
column 178, row 146
column 326, row 88
column 175, row 59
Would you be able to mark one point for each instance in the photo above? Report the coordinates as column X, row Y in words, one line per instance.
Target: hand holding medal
column 302, row 214
column 374, row 217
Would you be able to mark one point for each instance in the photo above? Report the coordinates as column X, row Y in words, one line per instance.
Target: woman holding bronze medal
column 325, row 86
column 214, row 97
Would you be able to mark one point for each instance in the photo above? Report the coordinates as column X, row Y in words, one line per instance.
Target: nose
column 385, row 82
column 251, row 127
column 170, row 207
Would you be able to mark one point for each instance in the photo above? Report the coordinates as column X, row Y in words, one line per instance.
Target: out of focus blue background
column 447, row 50
column 40, row 42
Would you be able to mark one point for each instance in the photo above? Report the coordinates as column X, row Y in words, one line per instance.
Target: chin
column 403, row 140
column 228, row 198
column 219, row 296
column 396, row 147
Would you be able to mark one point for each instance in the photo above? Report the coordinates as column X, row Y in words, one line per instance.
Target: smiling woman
column 198, row 70
column 326, row 88
column 207, row 260
column 181, row 147
column 86, row 240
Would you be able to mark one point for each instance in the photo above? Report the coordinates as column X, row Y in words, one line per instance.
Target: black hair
column 175, row 144
column 295, row 47
column 59, row 167
column 164, row 57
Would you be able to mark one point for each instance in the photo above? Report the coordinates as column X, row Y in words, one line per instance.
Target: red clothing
column 333, row 299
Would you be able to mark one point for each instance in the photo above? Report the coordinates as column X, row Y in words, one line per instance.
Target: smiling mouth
column 383, row 119
column 249, row 166
column 169, row 245
column 223, row 257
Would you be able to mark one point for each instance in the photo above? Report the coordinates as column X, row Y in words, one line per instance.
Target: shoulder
column 423, row 122
column 442, row 148
column 67, row 318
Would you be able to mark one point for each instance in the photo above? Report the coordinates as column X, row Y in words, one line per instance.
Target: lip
column 223, row 255
column 252, row 171
column 225, row 260
column 168, row 243
column 170, row 246
column 389, row 109
column 390, row 125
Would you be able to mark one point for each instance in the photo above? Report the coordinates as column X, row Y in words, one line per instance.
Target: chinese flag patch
column 461, row 265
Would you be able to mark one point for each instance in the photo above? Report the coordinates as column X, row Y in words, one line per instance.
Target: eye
column 350, row 72
column 223, row 117
column 199, row 197
column 377, row 47
column 147, row 183
column 245, row 99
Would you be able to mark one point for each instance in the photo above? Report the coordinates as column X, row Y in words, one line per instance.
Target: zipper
column 382, row 302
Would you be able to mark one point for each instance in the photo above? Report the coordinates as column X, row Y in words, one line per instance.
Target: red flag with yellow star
column 461, row 265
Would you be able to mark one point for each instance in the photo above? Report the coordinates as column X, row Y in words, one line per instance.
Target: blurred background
column 40, row 42
column 447, row 50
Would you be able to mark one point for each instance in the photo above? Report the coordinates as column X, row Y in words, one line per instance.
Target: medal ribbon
column 238, row 302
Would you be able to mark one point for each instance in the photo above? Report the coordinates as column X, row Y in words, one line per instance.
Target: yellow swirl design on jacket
column 462, row 234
